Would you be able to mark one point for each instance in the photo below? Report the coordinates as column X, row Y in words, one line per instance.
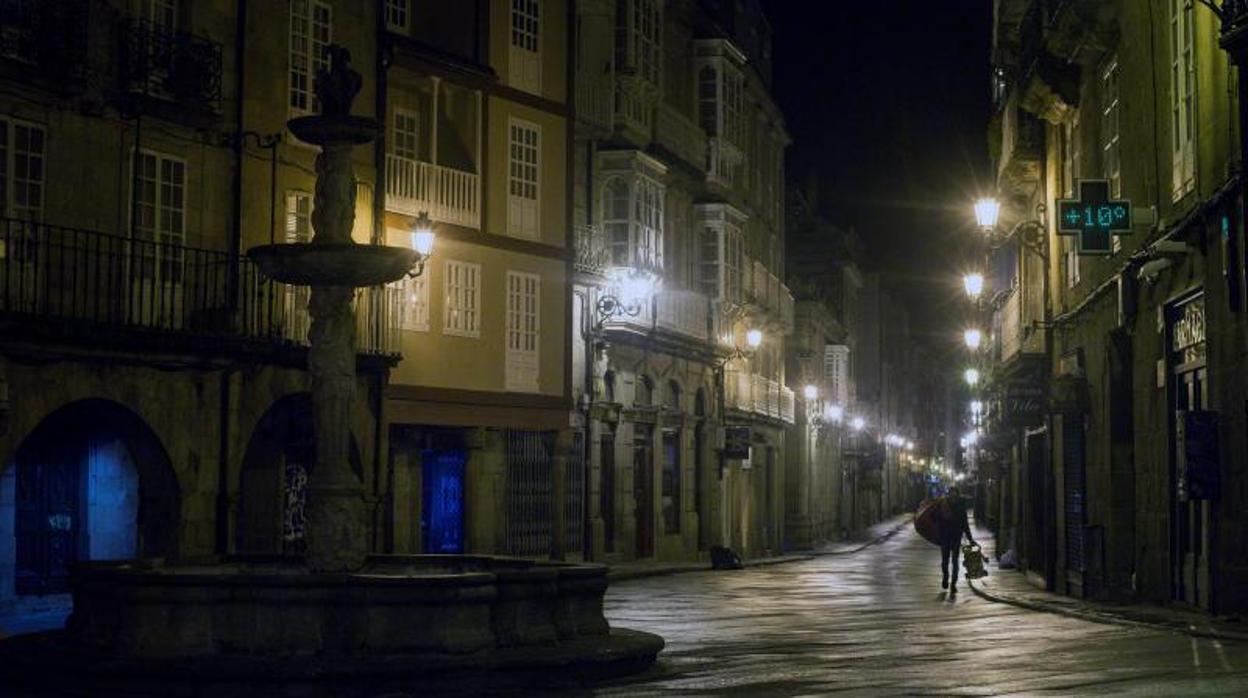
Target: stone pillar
column 336, row 537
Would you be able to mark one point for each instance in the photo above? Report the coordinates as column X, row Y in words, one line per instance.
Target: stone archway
column 272, row 489
column 91, row 481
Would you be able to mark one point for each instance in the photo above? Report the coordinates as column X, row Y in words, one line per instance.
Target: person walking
column 954, row 526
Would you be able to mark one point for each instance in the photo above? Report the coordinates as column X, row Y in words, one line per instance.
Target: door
column 643, row 488
column 699, row 501
column 671, row 481
column 442, row 510
column 606, row 490
column 1074, row 479
column 1190, row 522
column 48, row 521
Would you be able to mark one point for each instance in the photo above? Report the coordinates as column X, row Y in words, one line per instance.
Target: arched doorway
column 91, row 482
column 272, row 493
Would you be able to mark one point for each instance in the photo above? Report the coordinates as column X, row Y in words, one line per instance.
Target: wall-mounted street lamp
column 973, row 283
column 423, row 238
column 987, row 211
column 973, row 338
column 834, row 414
column 754, row 338
column 971, row 376
column 810, row 392
column 857, row 423
column 627, row 292
column 1030, row 232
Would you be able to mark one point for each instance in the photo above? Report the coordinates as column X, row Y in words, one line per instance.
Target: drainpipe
column 236, row 230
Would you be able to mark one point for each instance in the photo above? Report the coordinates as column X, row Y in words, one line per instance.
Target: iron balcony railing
column 90, row 279
column 755, row 394
column 172, row 65
column 48, row 35
column 590, row 246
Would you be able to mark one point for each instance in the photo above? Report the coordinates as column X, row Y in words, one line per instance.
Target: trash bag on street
column 930, row 520
column 973, row 561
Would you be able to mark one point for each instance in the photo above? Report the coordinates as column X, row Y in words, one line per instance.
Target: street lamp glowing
column 754, row 338
column 987, row 211
column 971, row 438
column 422, row 235
column 857, row 423
column 974, row 284
column 810, row 392
column 834, row 413
column 977, row 407
column 972, row 377
column 973, row 339
column 909, row 445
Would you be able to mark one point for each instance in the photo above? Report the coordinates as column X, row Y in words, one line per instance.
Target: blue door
column 442, row 516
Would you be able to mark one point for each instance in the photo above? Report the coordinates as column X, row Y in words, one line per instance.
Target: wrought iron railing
column 48, row 34
column 746, row 392
column 70, row 276
column 171, row 65
column 591, row 254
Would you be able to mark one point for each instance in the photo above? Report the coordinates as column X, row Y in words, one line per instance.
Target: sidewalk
column 1011, row 587
column 871, row 536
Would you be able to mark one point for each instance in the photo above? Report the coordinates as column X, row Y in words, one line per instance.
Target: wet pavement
column 878, row 623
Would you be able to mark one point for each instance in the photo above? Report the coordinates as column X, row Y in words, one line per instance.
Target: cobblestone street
column 877, row 623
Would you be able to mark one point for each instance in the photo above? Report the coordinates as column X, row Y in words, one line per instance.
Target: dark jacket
column 956, row 525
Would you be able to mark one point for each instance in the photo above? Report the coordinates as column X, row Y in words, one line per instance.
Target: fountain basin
column 394, row 605
column 333, row 264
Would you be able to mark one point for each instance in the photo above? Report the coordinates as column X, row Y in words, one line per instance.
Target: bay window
column 632, row 209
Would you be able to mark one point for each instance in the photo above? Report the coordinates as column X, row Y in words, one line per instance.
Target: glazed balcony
column 448, row 195
column 171, row 66
column 99, row 288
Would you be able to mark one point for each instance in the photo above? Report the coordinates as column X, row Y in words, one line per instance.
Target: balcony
column 1009, row 320
column 70, row 281
column 764, row 290
column 681, row 137
column 594, row 102
column 722, row 160
column 754, row 394
column 449, row 195
column 685, row 314
column 634, row 108
column 50, row 37
column 171, row 66
column 591, row 253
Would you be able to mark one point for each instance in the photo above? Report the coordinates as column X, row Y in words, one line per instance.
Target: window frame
column 401, row 8
column 1182, row 98
column 305, row 27
column 9, row 180
column 522, row 334
column 524, row 45
column 518, row 203
column 461, row 311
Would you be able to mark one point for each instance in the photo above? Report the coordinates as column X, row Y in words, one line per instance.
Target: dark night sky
column 887, row 102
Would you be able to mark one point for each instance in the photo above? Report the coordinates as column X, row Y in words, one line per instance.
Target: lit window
column 633, row 221
column 298, row 216
column 414, row 313
column 639, row 27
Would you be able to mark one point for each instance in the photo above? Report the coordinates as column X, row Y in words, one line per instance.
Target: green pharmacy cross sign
column 1094, row 217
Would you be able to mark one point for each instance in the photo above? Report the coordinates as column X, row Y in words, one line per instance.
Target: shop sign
column 1189, row 332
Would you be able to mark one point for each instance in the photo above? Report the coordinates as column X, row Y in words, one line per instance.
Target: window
column 405, row 135
column 836, row 373
column 159, row 214
column 298, row 216
column 723, row 262
column 22, row 154
column 670, row 494
column 633, row 221
column 414, row 310
column 161, row 15
column 1111, row 124
column 643, row 394
column 462, row 309
column 525, row 62
column 523, row 168
column 523, row 328
column 311, row 31
column 397, row 12
column 1182, row 95
column 639, row 27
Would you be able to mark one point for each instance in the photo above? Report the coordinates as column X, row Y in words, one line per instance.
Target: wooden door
column 643, row 488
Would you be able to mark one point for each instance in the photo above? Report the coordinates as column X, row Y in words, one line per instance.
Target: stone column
column 336, row 537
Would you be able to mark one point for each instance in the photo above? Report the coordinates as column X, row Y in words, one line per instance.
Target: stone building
column 1127, row 481
column 153, row 393
column 678, row 162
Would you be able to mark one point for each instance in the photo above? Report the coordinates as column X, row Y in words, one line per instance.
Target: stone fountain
column 339, row 613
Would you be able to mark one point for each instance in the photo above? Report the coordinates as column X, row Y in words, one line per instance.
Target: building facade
column 678, row 169
column 1127, row 480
